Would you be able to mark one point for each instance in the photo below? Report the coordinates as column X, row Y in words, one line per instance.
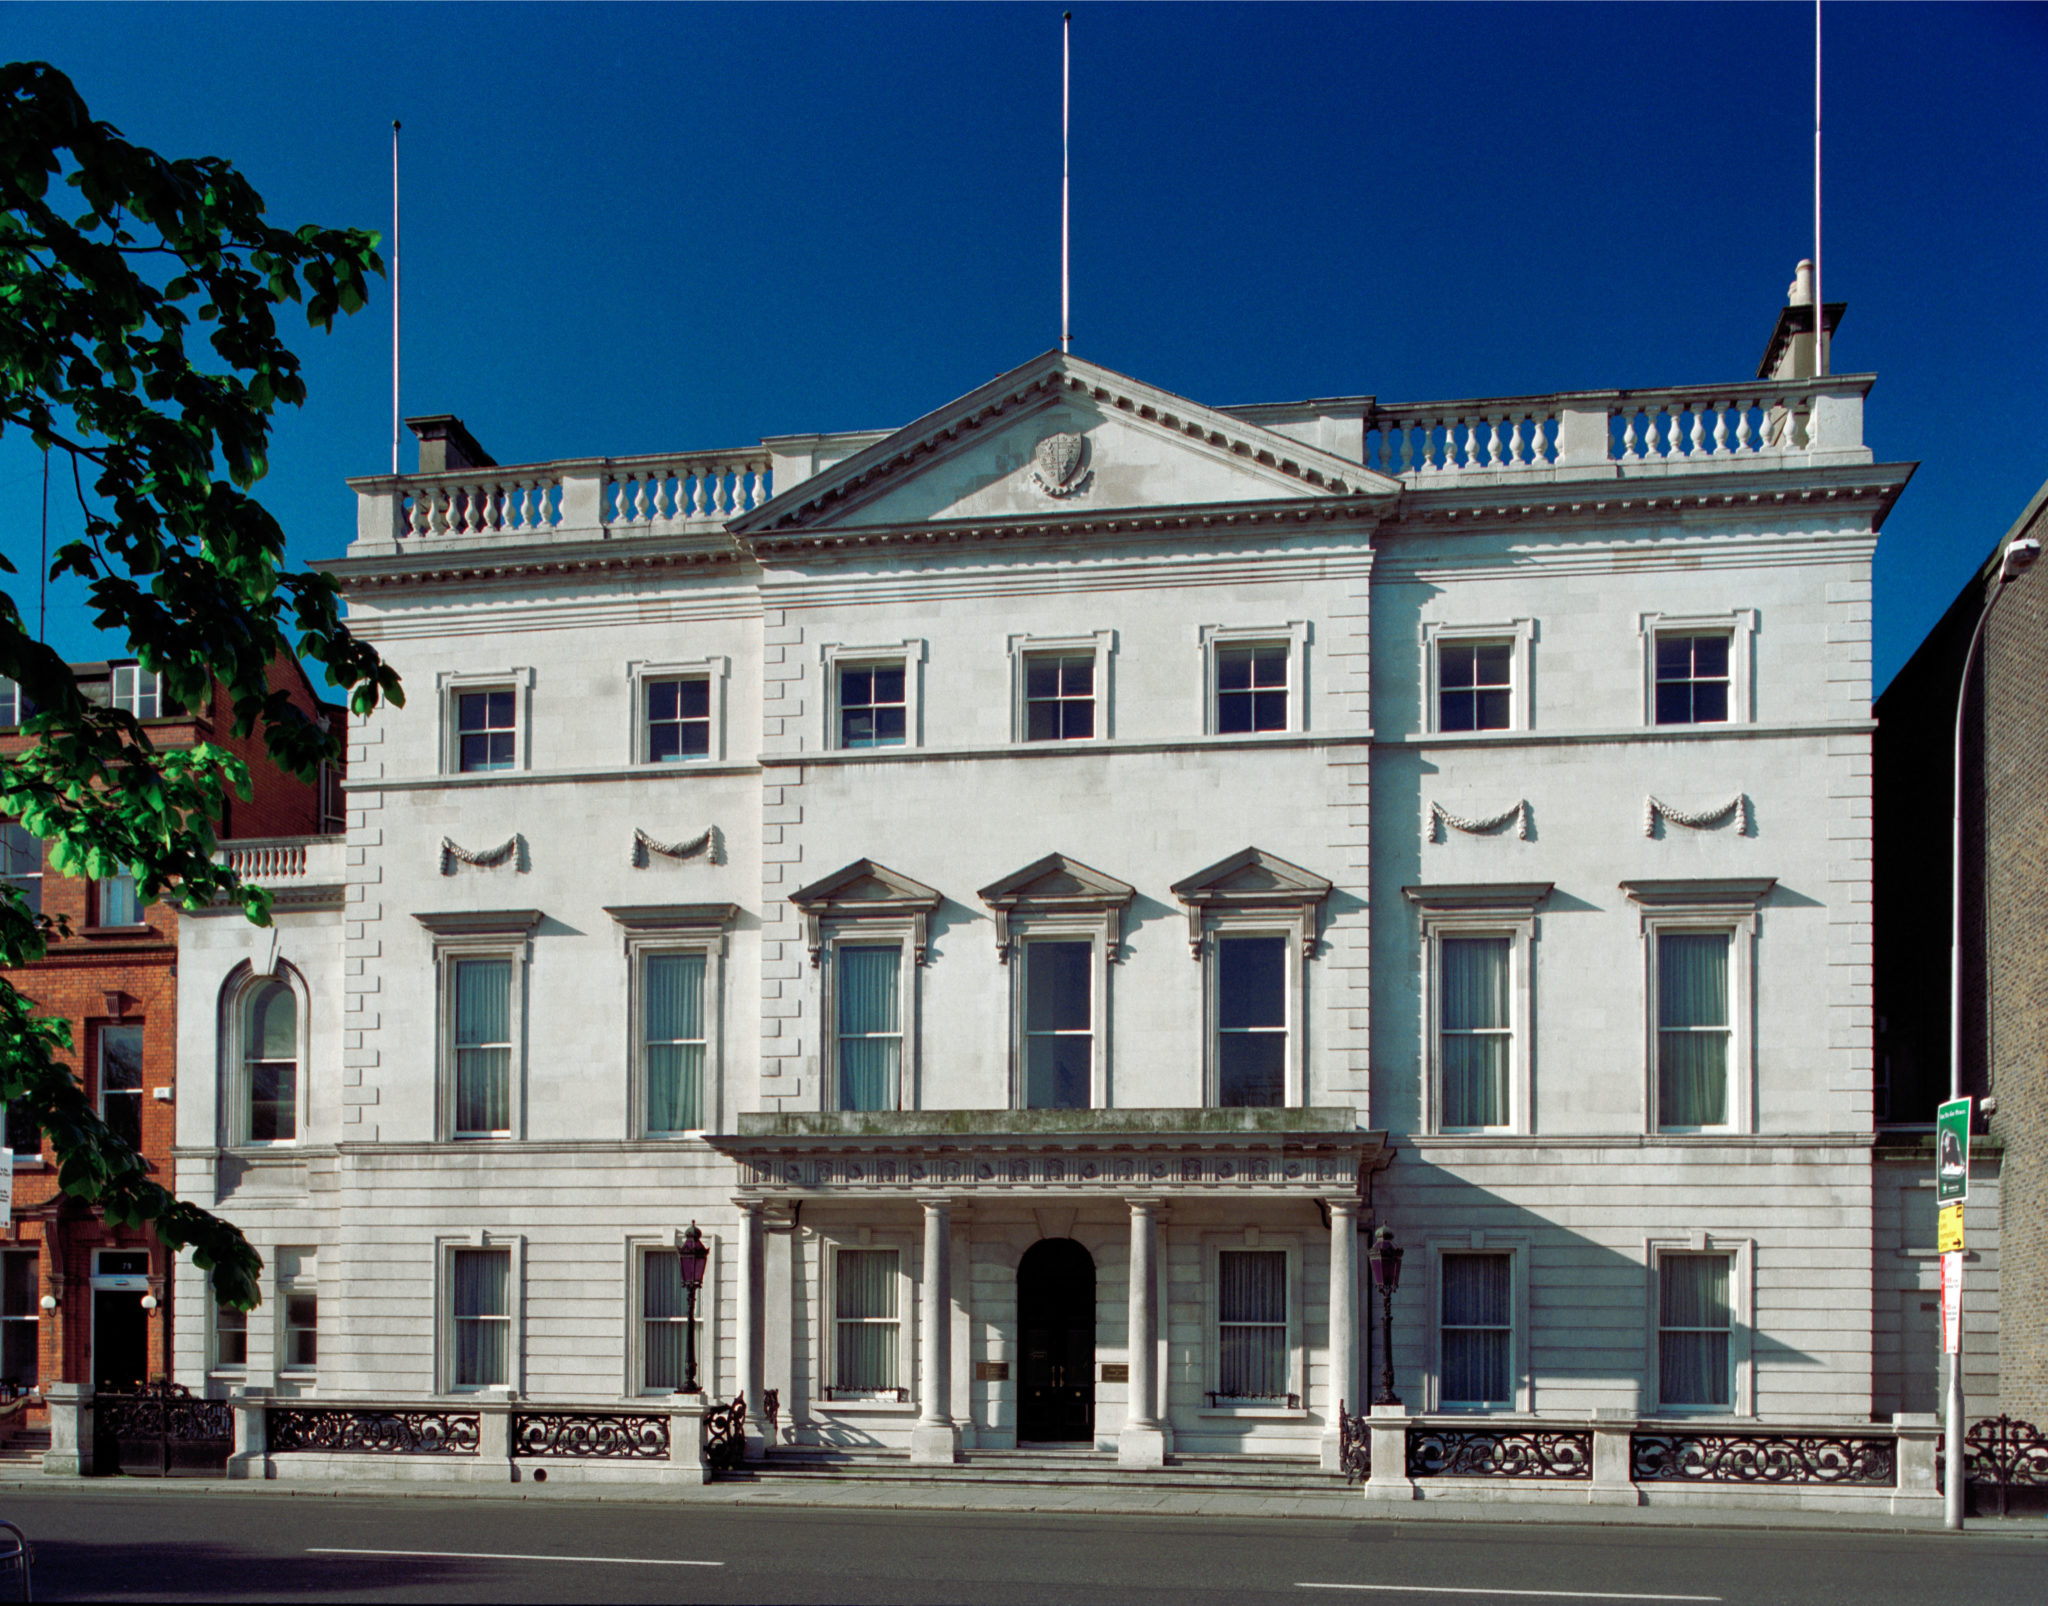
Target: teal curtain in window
column 1692, row 1028
column 1694, row 1315
column 673, row 1001
column 1476, row 1034
column 1477, row 1330
column 866, row 1320
column 1251, row 1312
column 870, row 1036
column 483, row 1045
column 482, row 1310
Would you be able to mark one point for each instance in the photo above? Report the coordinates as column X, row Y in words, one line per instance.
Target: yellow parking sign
column 1951, row 1229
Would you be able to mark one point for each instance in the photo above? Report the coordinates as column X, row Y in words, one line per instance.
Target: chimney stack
column 445, row 444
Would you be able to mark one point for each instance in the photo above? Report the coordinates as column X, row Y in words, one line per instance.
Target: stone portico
column 968, row 1193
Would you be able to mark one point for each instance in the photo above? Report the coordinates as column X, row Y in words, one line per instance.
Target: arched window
column 263, row 1056
column 270, row 1054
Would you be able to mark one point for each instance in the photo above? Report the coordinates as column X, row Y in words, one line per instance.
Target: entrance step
column 1043, row 1468
column 25, row 1447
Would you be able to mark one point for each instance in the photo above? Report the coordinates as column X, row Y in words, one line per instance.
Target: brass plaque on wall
column 1117, row 1373
column 992, row 1371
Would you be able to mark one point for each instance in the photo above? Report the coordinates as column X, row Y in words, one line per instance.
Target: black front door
column 1056, row 1338
column 120, row 1341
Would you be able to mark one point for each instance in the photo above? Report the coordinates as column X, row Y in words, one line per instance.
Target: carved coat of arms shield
column 1056, row 462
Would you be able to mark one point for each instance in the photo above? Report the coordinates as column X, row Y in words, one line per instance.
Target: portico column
column 1344, row 1391
column 752, row 1291
column 1141, row 1443
column 935, row 1438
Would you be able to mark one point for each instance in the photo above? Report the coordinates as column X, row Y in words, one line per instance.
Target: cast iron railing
column 1500, row 1453
column 597, row 1435
column 161, row 1431
column 1291, row 1401
column 1710, row 1457
column 2006, row 1454
column 725, row 1434
column 771, row 1413
column 344, row 1430
column 1354, row 1445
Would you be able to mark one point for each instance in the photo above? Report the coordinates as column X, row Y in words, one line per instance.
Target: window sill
column 1257, row 1413
column 140, row 929
column 30, row 1162
column 908, row 1408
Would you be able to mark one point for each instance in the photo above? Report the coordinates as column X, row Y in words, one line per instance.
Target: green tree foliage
column 110, row 256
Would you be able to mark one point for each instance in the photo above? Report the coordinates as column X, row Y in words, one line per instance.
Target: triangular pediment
column 1061, row 440
column 865, row 882
column 1056, row 879
column 1250, row 875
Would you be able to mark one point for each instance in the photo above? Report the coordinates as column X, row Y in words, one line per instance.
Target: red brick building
column 81, row 1301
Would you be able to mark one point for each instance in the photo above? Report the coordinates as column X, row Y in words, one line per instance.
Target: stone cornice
column 429, row 562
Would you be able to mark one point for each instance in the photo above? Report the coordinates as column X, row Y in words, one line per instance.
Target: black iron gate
column 160, row 1431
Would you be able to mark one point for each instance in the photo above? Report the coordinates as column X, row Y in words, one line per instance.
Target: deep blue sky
column 640, row 228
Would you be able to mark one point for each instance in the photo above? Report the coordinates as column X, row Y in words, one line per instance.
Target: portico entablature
column 1220, row 1154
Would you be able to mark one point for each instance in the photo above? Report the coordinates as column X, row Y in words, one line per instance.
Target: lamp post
column 1385, row 1261
column 2012, row 563
column 691, row 1254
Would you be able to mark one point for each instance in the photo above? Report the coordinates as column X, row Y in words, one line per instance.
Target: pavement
column 880, row 1494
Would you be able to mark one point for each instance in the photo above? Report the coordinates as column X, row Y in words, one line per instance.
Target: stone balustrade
column 270, row 860
column 1685, row 428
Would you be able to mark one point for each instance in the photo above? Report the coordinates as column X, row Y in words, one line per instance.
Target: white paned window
column 481, row 1306
column 270, row 1061
column 20, row 1318
column 1475, row 1026
column 1476, row 1337
column 873, row 708
column 1693, row 1028
column 486, row 730
column 14, row 708
column 21, row 863
column 1692, row 686
column 482, row 1031
column 866, row 1322
column 672, row 1040
column 869, row 1039
column 1252, row 1361
column 1695, row 1316
column 1251, row 688
column 1059, row 1036
column 1251, row 1024
column 298, row 1298
column 138, row 691
column 1059, row 697
column 664, row 1306
column 230, row 1338
column 115, row 902
column 678, row 720
column 121, row 1081
column 1475, row 685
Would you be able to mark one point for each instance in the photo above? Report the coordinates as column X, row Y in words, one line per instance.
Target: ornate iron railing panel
column 1354, row 1445
column 1500, row 1453
column 161, row 1431
column 597, row 1435
column 2005, row 1453
column 725, row 1434
column 1824, row 1458
column 771, row 1412
column 1217, row 1401
column 344, row 1430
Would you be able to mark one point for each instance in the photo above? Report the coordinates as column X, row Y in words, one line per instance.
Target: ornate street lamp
column 692, row 1255
column 1385, row 1261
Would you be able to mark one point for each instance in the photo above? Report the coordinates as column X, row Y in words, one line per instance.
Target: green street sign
column 1952, row 1151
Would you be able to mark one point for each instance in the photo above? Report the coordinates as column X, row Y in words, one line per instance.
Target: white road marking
column 495, row 1555
column 1542, row 1594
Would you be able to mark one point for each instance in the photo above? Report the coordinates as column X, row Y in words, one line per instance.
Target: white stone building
column 1041, row 881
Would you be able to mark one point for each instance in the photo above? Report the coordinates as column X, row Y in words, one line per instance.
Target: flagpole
column 394, row 296
column 1065, row 105
column 1820, row 307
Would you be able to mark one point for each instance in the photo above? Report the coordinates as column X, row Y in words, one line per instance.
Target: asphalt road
column 164, row 1546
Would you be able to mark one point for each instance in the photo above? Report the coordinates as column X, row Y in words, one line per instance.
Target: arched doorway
column 1056, row 1342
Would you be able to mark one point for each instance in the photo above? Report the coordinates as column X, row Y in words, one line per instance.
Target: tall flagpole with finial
column 1820, row 307
column 1066, row 102
column 394, row 296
